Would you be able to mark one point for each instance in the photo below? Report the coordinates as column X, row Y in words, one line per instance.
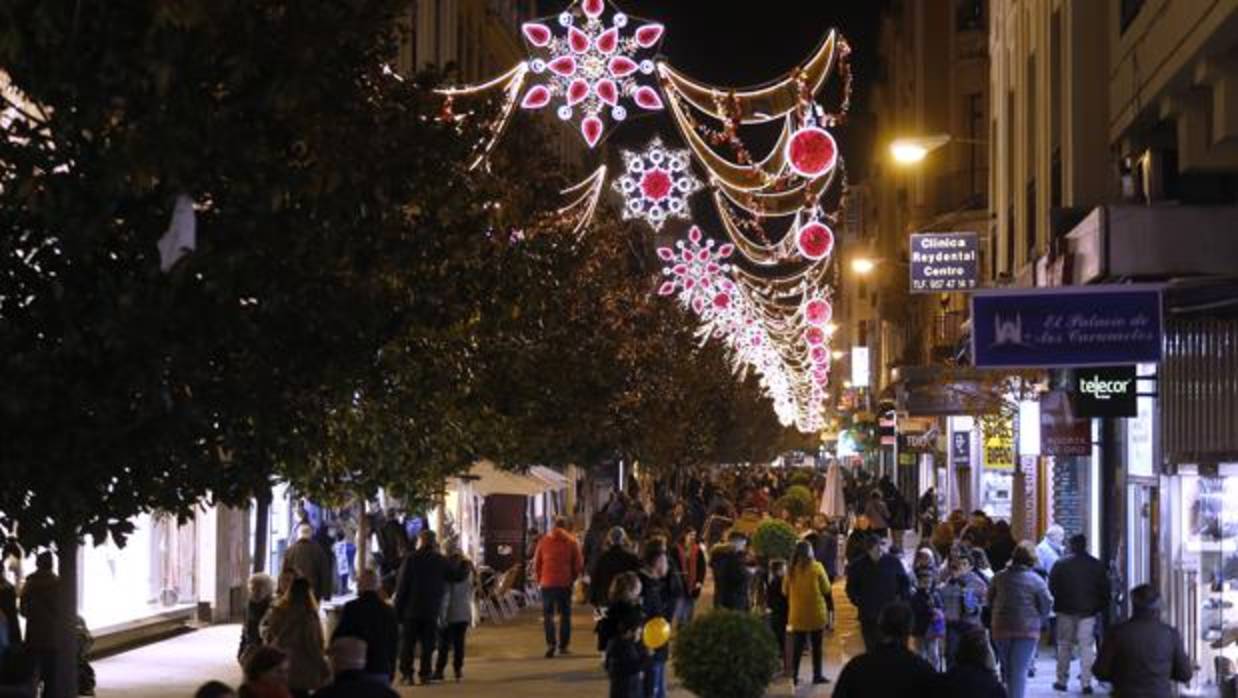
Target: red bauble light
column 818, row 311
column 656, row 184
column 812, row 152
column 815, row 241
column 820, row 356
column 722, row 301
column 815, row 336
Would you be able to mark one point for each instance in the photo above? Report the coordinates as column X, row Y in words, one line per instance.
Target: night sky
column 755, row 41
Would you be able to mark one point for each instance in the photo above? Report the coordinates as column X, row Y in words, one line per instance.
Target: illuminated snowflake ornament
column 657, row 184
column 698, row 273
column 591, row 67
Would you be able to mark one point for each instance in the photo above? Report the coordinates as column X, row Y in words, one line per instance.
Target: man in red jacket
column 557, row 563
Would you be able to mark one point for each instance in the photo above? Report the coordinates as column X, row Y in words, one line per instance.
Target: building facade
column 1114, row 159
column 935, row 89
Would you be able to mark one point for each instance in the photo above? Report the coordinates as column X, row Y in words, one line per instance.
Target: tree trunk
column 363, row 537
column 66, row 632
column 262, row 530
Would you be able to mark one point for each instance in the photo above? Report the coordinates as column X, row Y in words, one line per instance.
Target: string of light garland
column 767, row 300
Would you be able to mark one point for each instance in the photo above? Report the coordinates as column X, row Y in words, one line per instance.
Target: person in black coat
column 261, row 591
column 731, row 575
column 889, row 669
column 348, row 660
column 873, row 581
column 373, row 620
column 1079, row 584
column 1143, row 656
column 972, row 675
column 419, row 598
column 615, row 561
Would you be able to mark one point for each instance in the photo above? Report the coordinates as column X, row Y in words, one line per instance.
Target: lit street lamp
column 863, row 265
column 913, row 150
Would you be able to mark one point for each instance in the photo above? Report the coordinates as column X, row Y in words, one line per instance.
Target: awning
column 491, row 480
column 553, row 479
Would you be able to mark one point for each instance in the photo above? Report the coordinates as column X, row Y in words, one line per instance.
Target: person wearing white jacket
column 457, row 613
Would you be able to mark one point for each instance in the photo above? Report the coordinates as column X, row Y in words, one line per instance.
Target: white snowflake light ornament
column 657, row 184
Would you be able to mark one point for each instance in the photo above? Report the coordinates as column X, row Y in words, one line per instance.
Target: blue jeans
column 1015, row 657
column 655, row 679
column 557, row 599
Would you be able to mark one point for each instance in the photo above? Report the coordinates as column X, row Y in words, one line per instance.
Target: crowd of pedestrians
column 962, row 614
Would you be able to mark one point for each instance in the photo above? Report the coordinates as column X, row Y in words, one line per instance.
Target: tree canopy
column 361, row 311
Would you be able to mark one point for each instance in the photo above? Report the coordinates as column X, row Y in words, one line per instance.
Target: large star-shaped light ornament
column 657, row 184
column 591, row 67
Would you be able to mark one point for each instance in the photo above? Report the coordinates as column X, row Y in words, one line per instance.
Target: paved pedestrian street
column 503, row 661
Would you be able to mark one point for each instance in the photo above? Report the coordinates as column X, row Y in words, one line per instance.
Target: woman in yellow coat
column 806, row 586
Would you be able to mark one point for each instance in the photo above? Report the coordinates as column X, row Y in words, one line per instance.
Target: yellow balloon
column 657, row 633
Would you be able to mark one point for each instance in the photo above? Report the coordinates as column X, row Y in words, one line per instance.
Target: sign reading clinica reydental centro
column 1106, row 392
column 944, row 262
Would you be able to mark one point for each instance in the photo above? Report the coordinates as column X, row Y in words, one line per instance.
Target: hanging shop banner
column 1107, row 392
column 1066, row 327
column 943, row 262
column 998, row 443
column 1062, row 431
column 859, row 367
column 960, row 448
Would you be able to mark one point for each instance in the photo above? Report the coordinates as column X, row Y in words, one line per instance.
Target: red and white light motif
column 657, row 184
column 698, row 273
column 591, row 67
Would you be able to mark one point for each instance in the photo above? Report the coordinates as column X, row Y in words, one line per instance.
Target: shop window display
column 1205, row 575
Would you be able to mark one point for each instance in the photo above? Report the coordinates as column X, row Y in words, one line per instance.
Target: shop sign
column 859, row 367
column 1139, row 460
column 998, row 443
column 943, row 262
column 1062, row 432
column 1107, row 392
column 918, row 441
column 960, row 448
column 1066, row 327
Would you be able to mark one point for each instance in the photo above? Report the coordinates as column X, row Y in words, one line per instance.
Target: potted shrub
column 798, row 499
column 726, row 654
column 774, row 538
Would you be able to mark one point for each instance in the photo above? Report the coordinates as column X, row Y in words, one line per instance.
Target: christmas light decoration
column 765, row 291
column 590, row 66
column 657, row 184
column 587, row 195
